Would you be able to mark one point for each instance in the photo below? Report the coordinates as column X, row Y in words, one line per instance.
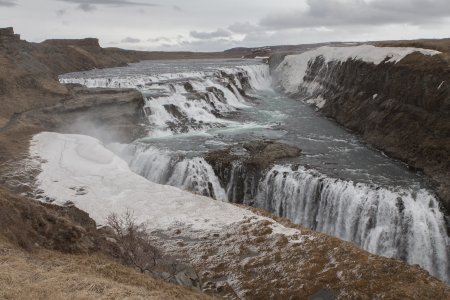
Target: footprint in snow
column 79, row 190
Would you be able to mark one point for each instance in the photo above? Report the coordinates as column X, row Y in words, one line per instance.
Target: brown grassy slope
column 442, row 45
column 53, row 275
column 65, row 261
column 33, row 225
column 51, row 252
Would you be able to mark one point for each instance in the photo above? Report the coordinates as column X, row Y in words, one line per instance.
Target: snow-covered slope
column 79, row 169
column 289, row 74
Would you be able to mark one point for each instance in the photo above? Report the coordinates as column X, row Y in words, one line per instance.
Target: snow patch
column 319, row 102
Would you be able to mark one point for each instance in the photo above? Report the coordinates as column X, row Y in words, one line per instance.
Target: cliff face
column 107, row 114
column 400, row 108
column 29, row 71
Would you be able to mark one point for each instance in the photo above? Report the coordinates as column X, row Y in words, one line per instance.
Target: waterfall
column 405, row 223
column 165, row 167
column 187, row 101
column 391, row 222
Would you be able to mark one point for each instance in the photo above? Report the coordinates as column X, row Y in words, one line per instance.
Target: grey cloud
column 218, row 45
column 86, row 7
column 243, row 27
column 177, row 8
column 357, row 12
column 90, row 5
column 8, row 3
column 61, row 12
column 202, row 35
column 130, row 40
column 159, row 39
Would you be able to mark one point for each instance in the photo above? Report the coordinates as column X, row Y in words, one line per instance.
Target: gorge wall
column 399, row 105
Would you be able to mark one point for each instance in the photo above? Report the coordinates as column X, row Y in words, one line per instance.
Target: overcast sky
column 210, row 25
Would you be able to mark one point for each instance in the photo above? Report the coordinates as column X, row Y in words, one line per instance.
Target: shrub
column 134, row 242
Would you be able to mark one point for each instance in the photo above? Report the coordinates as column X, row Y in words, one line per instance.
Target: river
column 338, row 185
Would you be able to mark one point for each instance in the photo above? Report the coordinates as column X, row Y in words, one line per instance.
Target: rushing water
column 338, row 185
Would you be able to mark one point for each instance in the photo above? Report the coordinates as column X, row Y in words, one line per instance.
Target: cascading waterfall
column 164, row 167
column 395, row 223
column 187, row 102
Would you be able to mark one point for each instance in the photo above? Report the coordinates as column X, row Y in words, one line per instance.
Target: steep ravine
column 401, row 108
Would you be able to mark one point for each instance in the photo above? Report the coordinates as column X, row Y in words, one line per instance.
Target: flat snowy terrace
column 79, row 169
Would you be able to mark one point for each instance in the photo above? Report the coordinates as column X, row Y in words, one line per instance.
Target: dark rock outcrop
column 87, row 42
column 241, row 167
column 8, row 35
column 8, row 31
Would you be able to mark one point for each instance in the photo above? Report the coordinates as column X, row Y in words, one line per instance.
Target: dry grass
column 52, row 275
column 442, row 45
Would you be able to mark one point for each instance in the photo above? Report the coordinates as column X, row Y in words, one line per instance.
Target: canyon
column 213, row 129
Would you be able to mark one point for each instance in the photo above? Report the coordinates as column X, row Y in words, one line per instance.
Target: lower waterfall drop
column 191, row 174
column 396, row 223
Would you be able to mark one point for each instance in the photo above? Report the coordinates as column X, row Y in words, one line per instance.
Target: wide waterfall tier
column 393, row 222
column 185, row 100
